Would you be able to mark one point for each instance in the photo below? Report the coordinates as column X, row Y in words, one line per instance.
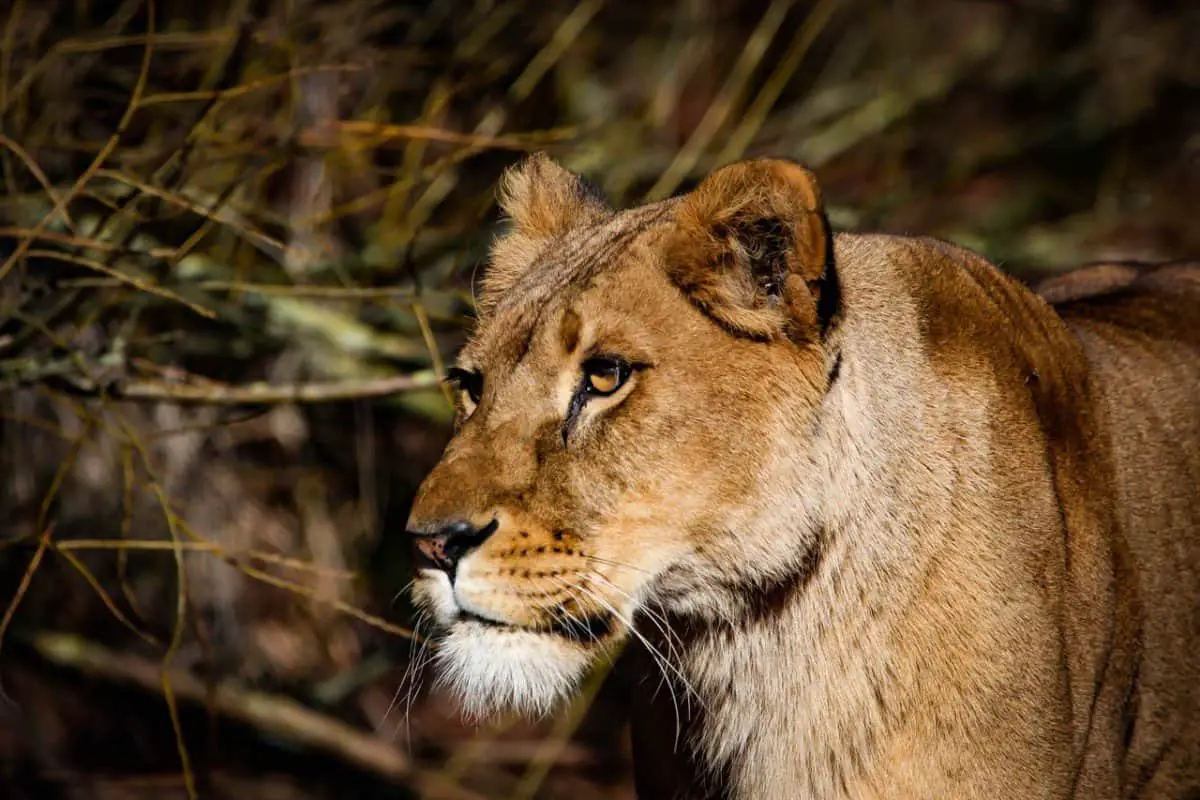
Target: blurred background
column 237, row 240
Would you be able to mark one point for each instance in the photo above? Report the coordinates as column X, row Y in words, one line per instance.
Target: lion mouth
column 581, row 630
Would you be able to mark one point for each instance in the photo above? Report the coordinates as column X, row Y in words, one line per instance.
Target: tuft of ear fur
column 542, row 200
column 753, row 250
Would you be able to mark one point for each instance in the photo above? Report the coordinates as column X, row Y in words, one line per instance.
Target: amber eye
column 466, row 381
column 603, row 376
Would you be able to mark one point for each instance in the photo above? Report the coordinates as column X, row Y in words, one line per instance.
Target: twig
column 754, row 117
column 60, row 205
column 267, row 244
column 323, row 136
column 435, row 355
column 176, row 523
column 23, row 587
column 877, row 114
column 36, row 171
column 65, row 376
column 205, row 547
column 92, row 581
column 521, row 753
column 547, row 755
column 339, row 605
column 118, row 21
column 245, row 88
column 263, row 393
column 136, row 282
column 162, row 41
column 548, row 56
column 722, row 106
column 126, row 530
column 310, row 290
column 274, row 580
column 87, row 244
column 176, row 641
column 6, row 49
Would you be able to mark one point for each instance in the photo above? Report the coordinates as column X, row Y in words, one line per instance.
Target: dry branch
column 264, row 393
column 260, row 393
column 279, row 716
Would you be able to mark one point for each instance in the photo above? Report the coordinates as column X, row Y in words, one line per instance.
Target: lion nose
column 444, row 548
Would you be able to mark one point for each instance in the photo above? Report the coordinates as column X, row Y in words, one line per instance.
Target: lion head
column 636, row 397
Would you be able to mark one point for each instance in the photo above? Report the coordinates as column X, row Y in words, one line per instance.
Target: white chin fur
column 496, row 670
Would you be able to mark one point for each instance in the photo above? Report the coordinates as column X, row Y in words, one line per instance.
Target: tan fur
column 888, row 524
column 542, row 201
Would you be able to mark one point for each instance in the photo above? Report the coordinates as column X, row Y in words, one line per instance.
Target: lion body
column 1141, row 339
column 897, row 527
column 1049, row 461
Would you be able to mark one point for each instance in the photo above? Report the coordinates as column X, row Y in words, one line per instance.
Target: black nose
column 445, row 547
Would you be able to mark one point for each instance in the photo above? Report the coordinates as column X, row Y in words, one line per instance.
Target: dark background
column 210, row 207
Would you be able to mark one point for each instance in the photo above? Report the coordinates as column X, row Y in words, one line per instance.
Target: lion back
column 1139, row 327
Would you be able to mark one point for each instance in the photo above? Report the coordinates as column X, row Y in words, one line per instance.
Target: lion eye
column 603, row 376
column 466, row 381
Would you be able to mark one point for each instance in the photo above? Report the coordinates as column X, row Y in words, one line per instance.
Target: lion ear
column 542, row 200
column 753, row 250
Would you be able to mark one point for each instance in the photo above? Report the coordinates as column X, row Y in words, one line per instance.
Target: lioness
column 890, row 525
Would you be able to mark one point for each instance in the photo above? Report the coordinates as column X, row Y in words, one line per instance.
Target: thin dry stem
column 270, row 243
column 246, row 88
column 264, row 393
column 136, row 282
column 207, row 547
column 722, row 106
column 752, row 121
column 26, row 581
column 60, row 206
column 277, row 715
column 376, row 134
column 34, row 170
column 92, row 581
column 87, row 244
column 559, row 738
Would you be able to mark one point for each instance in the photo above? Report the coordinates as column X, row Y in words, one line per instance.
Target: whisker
column 425, row 655
column 618, row 564
column 417, row 648
column 412, row 645
column 660, row 623
column 403, row 589
column 661, row 661
column 628, row 622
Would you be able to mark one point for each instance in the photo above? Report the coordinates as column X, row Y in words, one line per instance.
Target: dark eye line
column 582, row 394
column 466, row 380
column 602, row 358
column 574, row 409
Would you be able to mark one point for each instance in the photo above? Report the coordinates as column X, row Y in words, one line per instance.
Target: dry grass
column 237, row 242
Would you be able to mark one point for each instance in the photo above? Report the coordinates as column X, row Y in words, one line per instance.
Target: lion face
column 623, row 407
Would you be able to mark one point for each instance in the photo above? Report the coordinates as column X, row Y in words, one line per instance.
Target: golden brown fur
column 888, row 524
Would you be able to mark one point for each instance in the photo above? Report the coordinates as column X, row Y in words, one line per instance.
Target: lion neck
column 795, row 694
